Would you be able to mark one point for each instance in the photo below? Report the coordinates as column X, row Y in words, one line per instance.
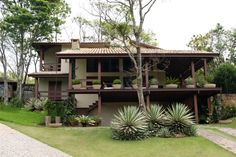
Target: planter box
column 153, row 86
column 48, row 120
column 97, row 86
column 227, row 121
column 77, row 86
column 209, row 85
column 58, row 119
column 190, row 86
column 171, row 86
column 55, row 125
column 116, row 86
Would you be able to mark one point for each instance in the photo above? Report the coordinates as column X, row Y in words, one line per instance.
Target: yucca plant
column 178, row 117
column 155, row 118
column 129, row 124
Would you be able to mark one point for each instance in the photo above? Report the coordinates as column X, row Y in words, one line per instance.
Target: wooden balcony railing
column 51, row 67
column 53, row 95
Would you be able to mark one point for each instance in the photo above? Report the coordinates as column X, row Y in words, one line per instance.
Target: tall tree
column 29, row 21
column 123, row 22
column 3, row 60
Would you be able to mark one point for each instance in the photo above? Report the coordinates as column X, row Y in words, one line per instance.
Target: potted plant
column 116, row 84
column 153, row 83
column 76, row 84
column 134, row 84
column 83, row 120
column 189, row 83
column 96, row 84
column 209, row 82
column 172, row 82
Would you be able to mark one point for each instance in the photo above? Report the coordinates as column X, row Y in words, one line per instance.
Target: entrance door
column 54, row 90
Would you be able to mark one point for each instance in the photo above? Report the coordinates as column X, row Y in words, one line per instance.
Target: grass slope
column 97, row 142
column 20, row 116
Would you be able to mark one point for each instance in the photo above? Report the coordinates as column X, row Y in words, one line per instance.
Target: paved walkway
column 16, row 144
column 221, row 141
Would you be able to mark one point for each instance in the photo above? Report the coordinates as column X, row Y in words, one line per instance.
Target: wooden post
column 36, row 87
column 70, row 75
column 193, row 73
column 148, row 101
column 209, row 104
column 205, row 67
column 41, row 60
column 195, row 107
column 146, row 75
column 99, row 70
column 99, row 104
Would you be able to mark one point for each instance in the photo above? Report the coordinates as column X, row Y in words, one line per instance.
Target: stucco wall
column 228, row 99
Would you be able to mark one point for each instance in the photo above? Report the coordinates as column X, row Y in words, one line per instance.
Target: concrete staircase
column 87, row 110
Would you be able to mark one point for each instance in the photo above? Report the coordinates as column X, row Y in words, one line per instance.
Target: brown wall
column 228, row 99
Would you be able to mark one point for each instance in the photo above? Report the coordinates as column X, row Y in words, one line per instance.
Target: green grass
column 97, row 142
column 21, row 116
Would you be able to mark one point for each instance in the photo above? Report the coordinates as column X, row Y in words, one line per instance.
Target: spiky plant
column 178, row 117
column 129, row 124
column 155, row 118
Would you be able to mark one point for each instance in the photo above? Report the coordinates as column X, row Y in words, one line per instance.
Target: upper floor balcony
column 50, row 67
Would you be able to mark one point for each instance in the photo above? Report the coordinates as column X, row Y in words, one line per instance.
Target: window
column 92, row 65
column 110, row 65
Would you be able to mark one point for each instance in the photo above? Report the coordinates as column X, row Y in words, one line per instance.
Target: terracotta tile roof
column 109, row 51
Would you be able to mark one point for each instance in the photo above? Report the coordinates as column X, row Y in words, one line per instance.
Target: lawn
column 97, row 142
column 21, row 116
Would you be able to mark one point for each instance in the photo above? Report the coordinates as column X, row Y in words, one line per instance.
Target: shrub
column 85, row 120
column 96, row 82
column 228, row 112
column 129, row 124
column 74, row 82
column 190, row 130
column 178, row 117
column 189, row 81
column 134, row 82
column 165, row 132
column 34, row 104
column 97, row 120
column 155, row 118
column 153, row 81
column 117, row 81
column 16, row 102
column 209, row 78
column 201, row 80
column 172, row 80
column 69, row 110
column 225, row 76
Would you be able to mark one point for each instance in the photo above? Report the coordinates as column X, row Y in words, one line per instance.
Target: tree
column 123, row 23
column 3, row 60
column 29, row 21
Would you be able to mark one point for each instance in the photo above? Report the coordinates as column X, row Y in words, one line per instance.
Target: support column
column 193, row 73
column 148, row 101
column 195, row 108
column 99, row 70
column 99, row 104
column 41, row 60
column 209, row 104
column 121, row 69
column 36, row 87
column 146, row 75
column 70, row 75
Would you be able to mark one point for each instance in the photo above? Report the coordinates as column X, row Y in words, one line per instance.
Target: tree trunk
column 5, row 83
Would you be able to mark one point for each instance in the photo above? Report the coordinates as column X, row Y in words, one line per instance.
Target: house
column 62, row 62
column 28, row 89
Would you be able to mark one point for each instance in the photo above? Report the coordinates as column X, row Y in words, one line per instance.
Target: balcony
column 51, row 67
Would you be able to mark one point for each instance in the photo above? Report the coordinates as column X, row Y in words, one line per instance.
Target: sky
column 173, row 21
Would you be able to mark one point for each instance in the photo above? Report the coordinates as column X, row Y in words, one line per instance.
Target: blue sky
column 173, row 21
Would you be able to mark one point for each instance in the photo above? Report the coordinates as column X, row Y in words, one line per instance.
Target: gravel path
column 229, row 131
column 225, row 143
column 16, row 144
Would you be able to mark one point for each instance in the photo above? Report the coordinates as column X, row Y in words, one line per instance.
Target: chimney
column 75, row 44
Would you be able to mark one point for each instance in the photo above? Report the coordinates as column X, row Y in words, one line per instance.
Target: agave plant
column 155, row 118
column 179, row 117
column 129, row 124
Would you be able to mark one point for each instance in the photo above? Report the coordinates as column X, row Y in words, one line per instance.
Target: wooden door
column 54, row 90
